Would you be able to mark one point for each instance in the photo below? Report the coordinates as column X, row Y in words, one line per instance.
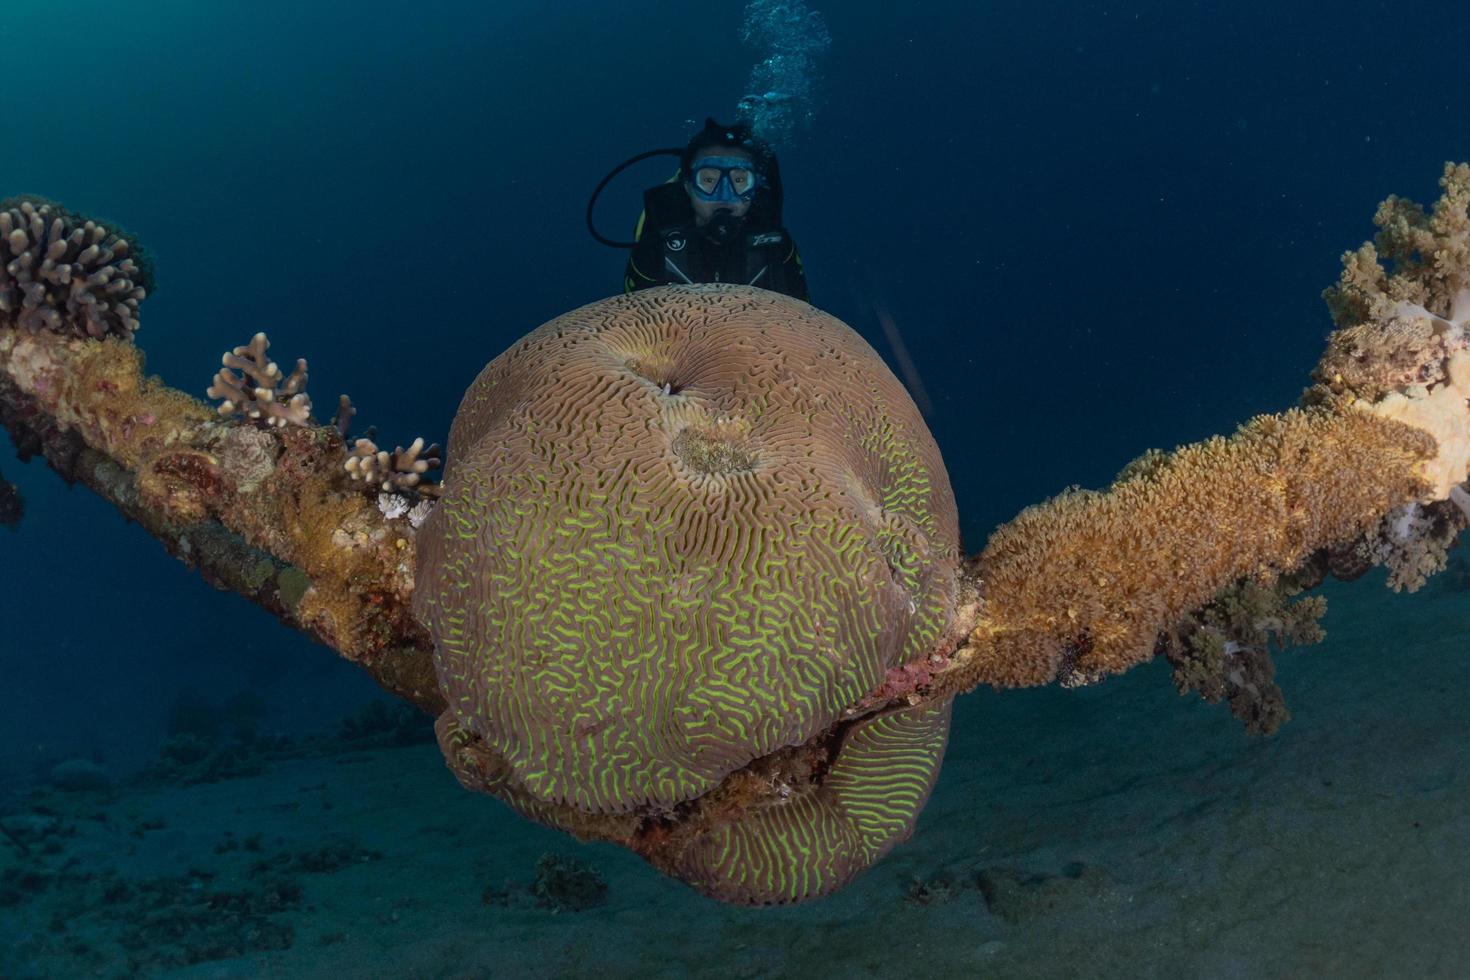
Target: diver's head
column 721, row 185
column 724, row 169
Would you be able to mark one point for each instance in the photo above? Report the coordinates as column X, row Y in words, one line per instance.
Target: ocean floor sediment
column 1114, row 831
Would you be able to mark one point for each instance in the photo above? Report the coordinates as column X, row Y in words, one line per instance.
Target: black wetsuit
column 673, row 249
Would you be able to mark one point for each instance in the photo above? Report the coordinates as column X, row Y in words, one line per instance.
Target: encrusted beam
column 268, row 512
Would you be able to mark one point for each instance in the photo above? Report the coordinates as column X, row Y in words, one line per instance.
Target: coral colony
column 693, row 582
column 251, row 384
column 63, row 272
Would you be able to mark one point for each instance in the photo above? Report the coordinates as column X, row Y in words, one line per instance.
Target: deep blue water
column 1100, row 227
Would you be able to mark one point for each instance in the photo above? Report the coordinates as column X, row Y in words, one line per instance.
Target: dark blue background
column 1099, row 227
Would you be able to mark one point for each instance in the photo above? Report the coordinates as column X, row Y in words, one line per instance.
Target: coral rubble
column 567, row 884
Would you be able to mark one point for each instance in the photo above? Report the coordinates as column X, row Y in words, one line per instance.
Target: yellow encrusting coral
column 1084, row 585
column 1081, row 587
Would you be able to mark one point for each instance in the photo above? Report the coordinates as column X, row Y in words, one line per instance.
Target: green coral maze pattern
column 680, row 530
column 822, row 836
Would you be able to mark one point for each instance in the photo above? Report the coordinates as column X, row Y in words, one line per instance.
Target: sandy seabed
column 1115, row 831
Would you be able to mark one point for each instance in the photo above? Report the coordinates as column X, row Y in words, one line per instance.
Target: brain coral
column 680, row 530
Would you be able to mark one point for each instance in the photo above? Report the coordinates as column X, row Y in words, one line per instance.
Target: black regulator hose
column 678, row 151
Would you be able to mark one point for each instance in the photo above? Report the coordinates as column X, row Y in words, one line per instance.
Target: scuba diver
column 718, row 219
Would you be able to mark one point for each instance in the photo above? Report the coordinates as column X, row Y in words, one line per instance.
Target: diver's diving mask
column 723, row 180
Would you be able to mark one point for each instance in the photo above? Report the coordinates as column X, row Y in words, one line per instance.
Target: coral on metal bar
column 693, row 581
column 266, row 512
column 1082, row 586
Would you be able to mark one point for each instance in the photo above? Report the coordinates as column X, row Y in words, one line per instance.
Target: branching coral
column 346, row 411
column 399, row 474
column 251, row 384
column 59, row 271
column 402, row 469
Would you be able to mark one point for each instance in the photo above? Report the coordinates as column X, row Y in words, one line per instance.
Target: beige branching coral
column 402, row 469
column 60, row 271
column 251, row 384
